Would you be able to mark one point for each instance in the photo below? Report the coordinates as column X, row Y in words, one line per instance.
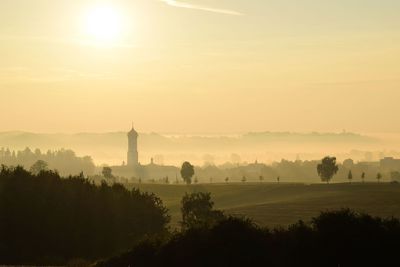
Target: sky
column 200, row 66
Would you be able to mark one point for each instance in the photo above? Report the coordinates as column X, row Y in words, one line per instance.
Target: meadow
column 283, row 204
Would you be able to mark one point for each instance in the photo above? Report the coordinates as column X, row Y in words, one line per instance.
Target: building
column 133, row 157
column 390, row 164
column 134, row 169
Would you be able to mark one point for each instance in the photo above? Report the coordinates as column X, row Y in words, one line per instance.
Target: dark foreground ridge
column 340, row 238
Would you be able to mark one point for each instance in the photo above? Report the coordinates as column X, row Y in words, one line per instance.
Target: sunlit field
column 284, row 204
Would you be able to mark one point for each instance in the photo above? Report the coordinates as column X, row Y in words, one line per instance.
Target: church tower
column 132, row 148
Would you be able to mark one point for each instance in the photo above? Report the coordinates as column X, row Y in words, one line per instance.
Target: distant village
column 66, row 162
column 283, row 171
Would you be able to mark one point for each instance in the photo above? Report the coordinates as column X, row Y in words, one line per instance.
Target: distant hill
column 313, row 137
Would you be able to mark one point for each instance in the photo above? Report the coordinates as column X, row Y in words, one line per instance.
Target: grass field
column 273, row 204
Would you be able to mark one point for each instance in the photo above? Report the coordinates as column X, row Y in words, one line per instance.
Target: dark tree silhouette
column 187, row 172
column 244, row 179
column 363, row 177
column 327, row 169
column 379, row 177
column 38, row 167
column 334, row 238
column 49, row 220
column 197, row 211
column 350, row 176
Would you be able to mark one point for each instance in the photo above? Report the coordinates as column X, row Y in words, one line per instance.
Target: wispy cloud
column 64, row 41
column 203, row 8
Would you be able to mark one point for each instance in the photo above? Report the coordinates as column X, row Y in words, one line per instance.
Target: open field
column 273, row 204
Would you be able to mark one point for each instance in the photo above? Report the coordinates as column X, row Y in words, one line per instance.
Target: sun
column 104, row 24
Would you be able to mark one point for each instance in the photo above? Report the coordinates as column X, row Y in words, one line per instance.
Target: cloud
column 203, row 8
column 65, row 41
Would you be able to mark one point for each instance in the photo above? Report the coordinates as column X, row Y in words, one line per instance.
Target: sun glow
column 104, row 24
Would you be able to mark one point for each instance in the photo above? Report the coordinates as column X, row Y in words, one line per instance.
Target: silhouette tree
column 327, row 169
column 197, row 211
column 278, row 179
column 187, row 172
column 244, row 179
column 363, row 177
column 379, row 177
column 107, row 173
column 261, row 178
column 350, row 176
column 226, row 179
column 38, row 167
column 166, row 180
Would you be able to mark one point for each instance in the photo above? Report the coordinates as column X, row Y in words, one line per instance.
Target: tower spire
column 132, row 147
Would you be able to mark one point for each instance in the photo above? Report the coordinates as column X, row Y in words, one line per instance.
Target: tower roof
column 132, row 131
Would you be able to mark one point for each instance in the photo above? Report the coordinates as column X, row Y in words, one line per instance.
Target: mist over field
column 199, row 133
column 171, row 149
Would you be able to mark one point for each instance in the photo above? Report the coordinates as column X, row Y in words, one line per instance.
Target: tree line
column 284, row 171
column 65, row 161
column 326, row 170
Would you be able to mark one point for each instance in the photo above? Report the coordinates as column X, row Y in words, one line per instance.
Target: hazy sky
column 200, row 66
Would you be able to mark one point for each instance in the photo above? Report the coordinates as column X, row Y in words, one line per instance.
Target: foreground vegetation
column 46, row 220
column 341, row 238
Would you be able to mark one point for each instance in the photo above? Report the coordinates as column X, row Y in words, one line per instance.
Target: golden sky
column 200, row 66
